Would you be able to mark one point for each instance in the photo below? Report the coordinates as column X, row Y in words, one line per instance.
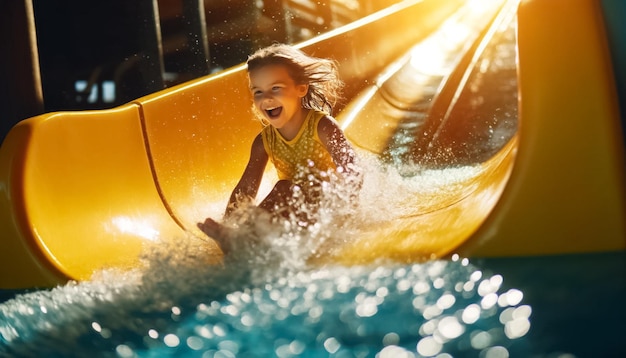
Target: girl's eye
column 275, row 89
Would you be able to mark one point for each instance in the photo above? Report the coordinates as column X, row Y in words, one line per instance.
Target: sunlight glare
column 127, row 225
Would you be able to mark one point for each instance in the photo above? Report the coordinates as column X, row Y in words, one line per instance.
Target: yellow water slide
column 83, row 191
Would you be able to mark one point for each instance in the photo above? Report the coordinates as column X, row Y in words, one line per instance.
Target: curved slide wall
column 566, row 192
column 81, row 191
column 86, row 190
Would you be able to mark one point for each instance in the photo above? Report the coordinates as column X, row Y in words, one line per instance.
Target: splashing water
column 266, row 301
column 389, row 311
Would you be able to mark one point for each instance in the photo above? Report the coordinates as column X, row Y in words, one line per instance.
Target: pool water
column 577, row 300
column 390, row 310
column 564, row 306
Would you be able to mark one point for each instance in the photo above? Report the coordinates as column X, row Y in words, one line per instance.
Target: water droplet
column 124, row 351
column 332, row 345
column 428, row 346
column 391, row 339
column 195, row 343
column 450, row 328
column 471, row 314
column 171, row 340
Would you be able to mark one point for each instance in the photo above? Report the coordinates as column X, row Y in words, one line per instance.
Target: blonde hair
column 319, row 73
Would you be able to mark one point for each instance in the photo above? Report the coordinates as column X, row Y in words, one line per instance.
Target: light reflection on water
column 178, row 308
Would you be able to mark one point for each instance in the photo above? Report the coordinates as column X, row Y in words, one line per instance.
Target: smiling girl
column 293, row 97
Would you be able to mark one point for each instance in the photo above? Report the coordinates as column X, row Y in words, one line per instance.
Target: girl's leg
column 282, row 201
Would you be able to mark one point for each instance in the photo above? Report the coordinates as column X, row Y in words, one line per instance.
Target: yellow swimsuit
column 304, row 154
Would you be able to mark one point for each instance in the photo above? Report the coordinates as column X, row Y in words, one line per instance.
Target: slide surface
column 84, row 191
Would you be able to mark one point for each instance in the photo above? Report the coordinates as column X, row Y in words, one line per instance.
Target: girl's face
column 276, row 96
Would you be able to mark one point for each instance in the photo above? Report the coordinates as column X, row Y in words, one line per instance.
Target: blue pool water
column 564, row 306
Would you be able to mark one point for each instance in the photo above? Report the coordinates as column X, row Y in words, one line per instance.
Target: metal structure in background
column 97, row 55
column 77, row 55
column 20, row 82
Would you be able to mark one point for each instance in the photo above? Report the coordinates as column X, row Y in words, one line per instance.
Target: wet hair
column 319, row 73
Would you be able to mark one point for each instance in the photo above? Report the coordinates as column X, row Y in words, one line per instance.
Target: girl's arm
column 250, row 181
column 338, row 146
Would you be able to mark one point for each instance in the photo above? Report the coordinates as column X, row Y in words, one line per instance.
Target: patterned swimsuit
column 303, row 155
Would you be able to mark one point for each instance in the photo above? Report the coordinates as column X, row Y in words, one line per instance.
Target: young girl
column 293, row 96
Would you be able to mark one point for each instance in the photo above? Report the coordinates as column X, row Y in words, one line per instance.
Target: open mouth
column 274, row 112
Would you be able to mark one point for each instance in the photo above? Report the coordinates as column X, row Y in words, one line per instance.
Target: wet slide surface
column 436, row 126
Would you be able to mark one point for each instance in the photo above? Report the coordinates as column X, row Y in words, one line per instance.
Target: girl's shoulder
column 325, row 121
column 321, row 118
column 260, row 144
column 327, row 128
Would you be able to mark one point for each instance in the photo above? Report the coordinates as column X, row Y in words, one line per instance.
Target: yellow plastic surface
column 454, row 216
column 81, row 197
column 82, row 191
column 443, row 218
column 566, row 192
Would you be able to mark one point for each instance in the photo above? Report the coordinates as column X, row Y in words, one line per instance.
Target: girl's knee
column 283, row 186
